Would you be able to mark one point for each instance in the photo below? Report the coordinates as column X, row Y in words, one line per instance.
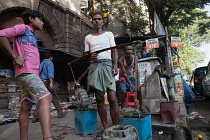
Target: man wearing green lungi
column 101, row 75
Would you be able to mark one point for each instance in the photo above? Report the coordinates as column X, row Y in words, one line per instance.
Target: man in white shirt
column 100, row 75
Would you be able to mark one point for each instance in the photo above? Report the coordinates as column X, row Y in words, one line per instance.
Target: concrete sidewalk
column 178, row 130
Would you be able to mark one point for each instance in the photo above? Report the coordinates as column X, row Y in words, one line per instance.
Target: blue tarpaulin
column 189, row 95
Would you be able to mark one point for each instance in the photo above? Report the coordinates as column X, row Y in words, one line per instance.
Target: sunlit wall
column 74, row 5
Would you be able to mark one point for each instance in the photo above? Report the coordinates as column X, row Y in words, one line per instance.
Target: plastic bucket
column 142, row 123
column 85, row 121
column 170, row 111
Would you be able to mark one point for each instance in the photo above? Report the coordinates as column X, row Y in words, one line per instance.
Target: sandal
column 99, row 136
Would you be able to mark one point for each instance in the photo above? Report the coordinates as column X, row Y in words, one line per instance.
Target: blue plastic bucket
column 85, row 121
column 141, row 122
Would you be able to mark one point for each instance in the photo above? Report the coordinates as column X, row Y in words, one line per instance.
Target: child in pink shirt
column 26, row 62
column 24, row 44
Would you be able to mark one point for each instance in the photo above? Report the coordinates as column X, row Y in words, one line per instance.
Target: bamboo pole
column 102, row 50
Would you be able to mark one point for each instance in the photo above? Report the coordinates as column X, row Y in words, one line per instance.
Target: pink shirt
column 24, row 44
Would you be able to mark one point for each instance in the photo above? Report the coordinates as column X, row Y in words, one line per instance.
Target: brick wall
column 68, row 28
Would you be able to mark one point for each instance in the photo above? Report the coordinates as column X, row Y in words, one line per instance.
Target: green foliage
column 183, row 17
column 127, row 13
column 191, row 38
column 136, row 22
column 165, row 8
column 175, row 14
column 189, row 57
column 179, row 21
column 180, row 16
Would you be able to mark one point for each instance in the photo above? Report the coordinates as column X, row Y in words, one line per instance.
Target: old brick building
column 64, row 29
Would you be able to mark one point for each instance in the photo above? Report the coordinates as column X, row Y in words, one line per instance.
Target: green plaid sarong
column 100, row 78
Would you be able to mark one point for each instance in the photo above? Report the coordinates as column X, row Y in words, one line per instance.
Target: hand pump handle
column 117, row 46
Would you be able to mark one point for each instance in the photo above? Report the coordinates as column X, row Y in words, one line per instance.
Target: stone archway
column 12, row 16
column 53, row 25
column 64, row 30
column 51, row 36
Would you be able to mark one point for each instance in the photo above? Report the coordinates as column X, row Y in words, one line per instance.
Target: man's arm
column 92, row 57
column 50, row 72
column 122, row 68
column 86, row 53
column 51, row 84
column 83, row 74
column 5, row 45
column 137, row 73
column 114, row 54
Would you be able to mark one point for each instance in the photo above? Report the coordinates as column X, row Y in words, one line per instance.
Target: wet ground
column 199, row 118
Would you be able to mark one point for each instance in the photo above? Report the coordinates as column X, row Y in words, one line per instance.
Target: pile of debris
column 195, row 115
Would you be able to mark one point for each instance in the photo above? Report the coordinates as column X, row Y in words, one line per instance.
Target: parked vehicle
column 206, row 83
column 197, row 79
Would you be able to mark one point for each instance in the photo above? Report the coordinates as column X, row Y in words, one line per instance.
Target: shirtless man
column 128, row 64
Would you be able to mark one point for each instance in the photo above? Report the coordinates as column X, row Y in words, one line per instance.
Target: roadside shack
column 152, row 68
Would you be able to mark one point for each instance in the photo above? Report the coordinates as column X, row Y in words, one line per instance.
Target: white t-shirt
column 95, row 43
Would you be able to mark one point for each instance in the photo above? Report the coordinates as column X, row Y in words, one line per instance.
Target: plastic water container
column 85, row 121
column 120, row 132
column 170, row 111
column 142, row 123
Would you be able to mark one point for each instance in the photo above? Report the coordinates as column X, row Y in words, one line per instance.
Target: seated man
column 128, row 63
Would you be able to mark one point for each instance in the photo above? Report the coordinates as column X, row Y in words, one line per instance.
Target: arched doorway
column 12, row 16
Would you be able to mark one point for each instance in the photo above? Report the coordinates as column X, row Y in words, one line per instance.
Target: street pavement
column 61, row 129
column 64, row 129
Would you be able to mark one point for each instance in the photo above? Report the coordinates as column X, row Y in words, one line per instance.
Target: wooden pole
column 102, row 50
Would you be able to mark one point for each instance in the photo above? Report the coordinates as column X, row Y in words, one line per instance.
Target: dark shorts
column 125, row 86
